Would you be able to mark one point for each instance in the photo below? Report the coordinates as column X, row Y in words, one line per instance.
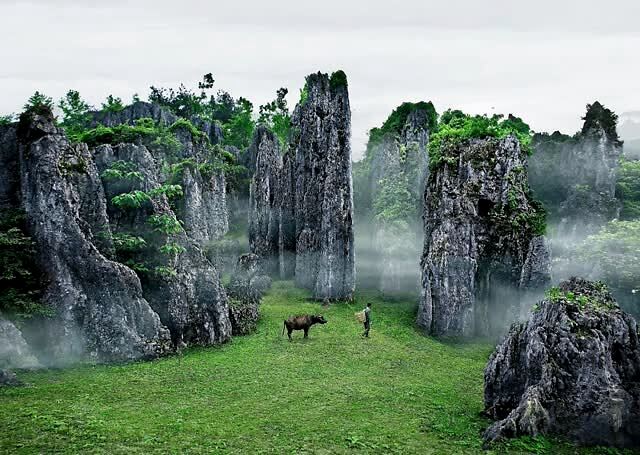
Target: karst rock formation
column 484, row 251
column 104, row 308
column 573, row 369
column 311, row 188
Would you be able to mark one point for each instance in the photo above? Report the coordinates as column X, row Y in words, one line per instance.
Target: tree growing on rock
column 484, row 249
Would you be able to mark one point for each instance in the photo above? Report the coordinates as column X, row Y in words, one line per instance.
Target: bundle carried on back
column 359, row 315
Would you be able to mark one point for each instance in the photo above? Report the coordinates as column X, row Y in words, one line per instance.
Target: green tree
column 112, row 104
column 275, row 115
column 39, row 102
column 597, row 117
column 75, row 114
column 6, row 119
column 239, row 130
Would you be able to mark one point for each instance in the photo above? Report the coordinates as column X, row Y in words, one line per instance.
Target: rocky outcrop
column 248, row 285
column 124, row 280
column 323, row 188
column 573, row 369
column 482, row 245
column 182, row 286
column 101, row 314
column 14, row 350
column 9, row 379
column 396, row 164
column 301, row 205
column 414, row 140
column 9, row 168
column 287, row 218
column 575, row 177
column 264, row 200
column 203, row 208
column 141, row 109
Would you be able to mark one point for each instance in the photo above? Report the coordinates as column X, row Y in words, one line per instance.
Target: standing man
column 367, row 320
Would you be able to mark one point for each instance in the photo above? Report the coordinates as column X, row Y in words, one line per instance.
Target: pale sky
column 539, row 59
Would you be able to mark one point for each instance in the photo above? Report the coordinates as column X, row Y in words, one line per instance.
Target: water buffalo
column 302, row 322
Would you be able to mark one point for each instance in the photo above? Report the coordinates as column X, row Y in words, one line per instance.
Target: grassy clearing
column 397, row 392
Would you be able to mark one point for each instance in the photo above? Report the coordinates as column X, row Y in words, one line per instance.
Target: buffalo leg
column 289, row 333
column 306, row 332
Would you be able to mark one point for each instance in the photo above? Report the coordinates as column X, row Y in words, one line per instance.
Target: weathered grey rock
column 573, row 369
column 591, row 201
column 187, row 293
column 9, row 168
column 203, row 208
column 415, row 139
column 264, row 200
column 9, row 379
column 287, row 218
column 133, row 112
column 246, row 289
column 480, row 249
column 323, row 189
column 396, row 161
column 101, row 314
column 14, row 351
column 385, row 162
column 576, row 176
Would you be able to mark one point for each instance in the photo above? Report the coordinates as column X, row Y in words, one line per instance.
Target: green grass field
column 397, row 392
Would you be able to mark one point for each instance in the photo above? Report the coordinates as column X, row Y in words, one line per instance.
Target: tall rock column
column 325, row 261
column 483, row 245
column 287, row 218
column 264, row 207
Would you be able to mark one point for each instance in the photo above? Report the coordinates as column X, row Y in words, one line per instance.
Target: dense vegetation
column 21, row 281
column 336, row 392
column 628, row 189
column 398, row 118
column 597, row 117
column 615, row 252
column 455, row 127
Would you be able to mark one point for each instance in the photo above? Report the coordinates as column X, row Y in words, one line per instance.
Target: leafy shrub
column 304, row 94
column 614, row 250
column 185, row 124
column 165, row 271
column 131, row 200
column 170, row 191
column 21, row 283
column 39, row 103
column 128, row 243
column 145, row 131
column 122, row 170
column 166, row 224
column 7, row 119
column 456, row 127
column 275, row 115
column 172, row 249
column 112, row 104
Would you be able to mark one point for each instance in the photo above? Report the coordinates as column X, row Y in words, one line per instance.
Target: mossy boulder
column 572, row 369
